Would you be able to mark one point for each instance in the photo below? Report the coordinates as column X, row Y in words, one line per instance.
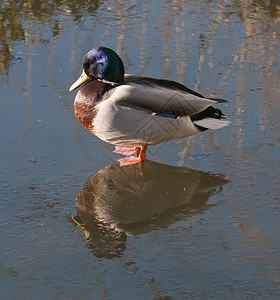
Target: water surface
column 201, row 218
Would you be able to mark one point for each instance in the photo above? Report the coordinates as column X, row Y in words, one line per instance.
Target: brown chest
column 87, row 98
column 85, row 114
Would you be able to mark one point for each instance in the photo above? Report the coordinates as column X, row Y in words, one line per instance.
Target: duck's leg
column 137, row 150
column 140, row 153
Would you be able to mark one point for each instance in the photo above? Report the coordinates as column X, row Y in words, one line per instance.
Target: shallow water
column 201, row 218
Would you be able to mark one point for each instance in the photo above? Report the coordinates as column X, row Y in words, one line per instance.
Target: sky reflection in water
column 186, row 243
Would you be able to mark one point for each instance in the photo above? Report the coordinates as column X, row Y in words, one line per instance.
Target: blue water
column 201, row 220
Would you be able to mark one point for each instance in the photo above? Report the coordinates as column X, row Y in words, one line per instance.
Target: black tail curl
column 209, row 112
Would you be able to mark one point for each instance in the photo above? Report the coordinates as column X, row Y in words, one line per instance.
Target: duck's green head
column 101, row 63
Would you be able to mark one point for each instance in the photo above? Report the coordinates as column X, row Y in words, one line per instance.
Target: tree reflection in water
column 17, row 18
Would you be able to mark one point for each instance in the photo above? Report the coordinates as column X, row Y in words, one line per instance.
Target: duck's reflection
column 120, row 201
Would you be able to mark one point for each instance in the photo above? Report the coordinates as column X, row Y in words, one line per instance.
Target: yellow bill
column 82, row 79
column 87, row 233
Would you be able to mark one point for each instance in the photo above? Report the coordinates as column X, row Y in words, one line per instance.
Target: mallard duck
column 133, row 112
column 109, row 207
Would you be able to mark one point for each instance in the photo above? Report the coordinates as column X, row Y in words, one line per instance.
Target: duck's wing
column 158, row 82
column 165, row 83
column 159, row 96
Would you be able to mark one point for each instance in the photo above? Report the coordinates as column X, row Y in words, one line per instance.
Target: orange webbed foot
column 124, row 150
column 140, row 155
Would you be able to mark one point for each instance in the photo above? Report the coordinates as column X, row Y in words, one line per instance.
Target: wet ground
column 200, row 219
